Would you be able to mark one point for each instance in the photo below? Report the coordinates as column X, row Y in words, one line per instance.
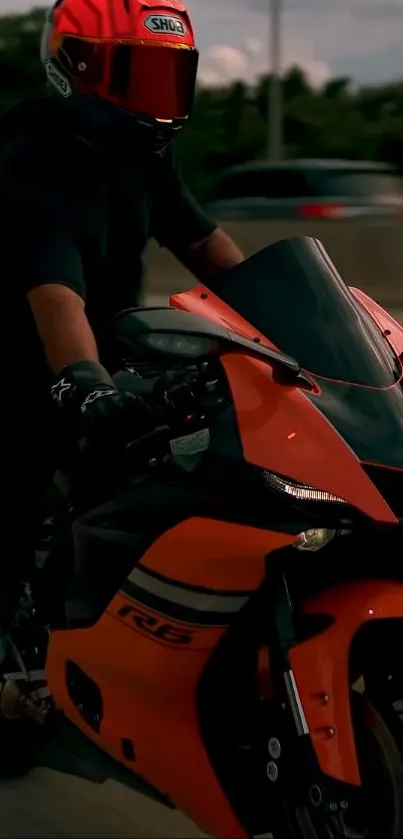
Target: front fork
column 312, row 753
column 293, row 762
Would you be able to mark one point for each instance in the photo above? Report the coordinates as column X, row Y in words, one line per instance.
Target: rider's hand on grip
column 98, row 410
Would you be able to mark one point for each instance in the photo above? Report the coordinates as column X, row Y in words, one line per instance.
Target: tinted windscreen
column 292, row 293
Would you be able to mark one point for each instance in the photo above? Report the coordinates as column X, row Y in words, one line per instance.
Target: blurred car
column 307, row 189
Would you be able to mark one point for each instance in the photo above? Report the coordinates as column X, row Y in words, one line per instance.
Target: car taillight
column 347, row 211
column 322, row 211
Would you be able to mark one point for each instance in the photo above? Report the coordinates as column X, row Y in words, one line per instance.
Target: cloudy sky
column 359, row 38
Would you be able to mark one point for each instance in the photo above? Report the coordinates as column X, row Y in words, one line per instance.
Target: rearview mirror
column 172, row 332
column 180, row 344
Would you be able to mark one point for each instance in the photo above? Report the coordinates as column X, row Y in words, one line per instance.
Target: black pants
column 29, row 461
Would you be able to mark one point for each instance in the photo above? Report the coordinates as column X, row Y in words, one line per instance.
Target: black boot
column 24, row 641
column 29, row 633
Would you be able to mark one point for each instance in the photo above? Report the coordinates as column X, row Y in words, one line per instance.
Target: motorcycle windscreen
column 292, row 293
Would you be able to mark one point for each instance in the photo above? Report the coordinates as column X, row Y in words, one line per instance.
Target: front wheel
column 380, row 813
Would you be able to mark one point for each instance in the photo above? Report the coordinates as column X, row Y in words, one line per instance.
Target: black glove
column 98, row 410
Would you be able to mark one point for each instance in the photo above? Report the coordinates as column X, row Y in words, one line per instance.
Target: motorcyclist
column 87, row 176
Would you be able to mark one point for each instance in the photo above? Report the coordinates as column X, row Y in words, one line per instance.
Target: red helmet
column 127, row 68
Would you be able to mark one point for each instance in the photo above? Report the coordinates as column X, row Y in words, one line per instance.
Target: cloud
column 254, row 46
column 360, row 38
column 384, row 7
column 336, row 27
column 223, row 63
column 351, row 37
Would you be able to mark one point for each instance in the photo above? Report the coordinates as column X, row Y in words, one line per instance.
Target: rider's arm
column 62, row 324
column 48, row 271
column 47, row 267
column 209, row 256
column 188, row 231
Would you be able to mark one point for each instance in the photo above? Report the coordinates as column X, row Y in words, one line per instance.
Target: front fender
column 321, row 668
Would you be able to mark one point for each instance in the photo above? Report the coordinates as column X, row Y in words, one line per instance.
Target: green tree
column 229, row 124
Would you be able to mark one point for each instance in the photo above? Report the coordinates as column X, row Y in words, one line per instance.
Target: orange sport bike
column 232, row 629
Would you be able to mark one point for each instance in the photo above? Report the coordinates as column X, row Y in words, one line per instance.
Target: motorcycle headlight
column 299, row 491
column 314, row 540
column 317, row 538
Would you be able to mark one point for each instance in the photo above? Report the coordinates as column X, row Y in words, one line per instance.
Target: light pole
column 275, row 124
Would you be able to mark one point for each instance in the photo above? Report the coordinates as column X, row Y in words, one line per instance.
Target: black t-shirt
column 68, row 216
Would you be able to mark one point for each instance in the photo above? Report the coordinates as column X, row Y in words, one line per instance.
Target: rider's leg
column 29, row 469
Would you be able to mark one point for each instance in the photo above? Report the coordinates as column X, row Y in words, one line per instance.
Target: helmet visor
column 144, row 77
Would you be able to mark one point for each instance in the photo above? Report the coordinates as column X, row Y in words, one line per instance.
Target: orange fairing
column 149, row 681
column 215, row 548
column 320, row 667
column 281, row 430
column 203, row 302
column 391, row 329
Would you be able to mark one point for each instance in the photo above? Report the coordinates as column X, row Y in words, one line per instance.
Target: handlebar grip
column 126, row 381
column 129, row 383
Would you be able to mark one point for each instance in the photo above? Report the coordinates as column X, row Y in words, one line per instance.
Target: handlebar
column 187, row 398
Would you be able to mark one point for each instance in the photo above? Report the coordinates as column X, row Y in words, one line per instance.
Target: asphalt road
column 50, row 804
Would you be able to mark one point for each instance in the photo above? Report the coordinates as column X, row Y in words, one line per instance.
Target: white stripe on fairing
column 199, row 601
